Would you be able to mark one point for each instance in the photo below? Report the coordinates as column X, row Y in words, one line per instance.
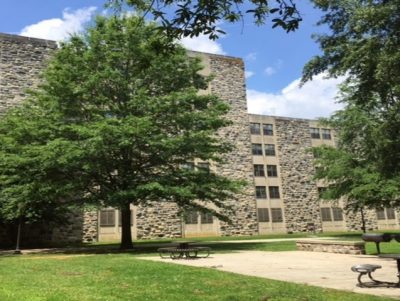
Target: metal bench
column 377, row 238
column 366, row 269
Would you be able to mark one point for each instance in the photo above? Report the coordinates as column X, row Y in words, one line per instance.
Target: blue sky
column 273, row 58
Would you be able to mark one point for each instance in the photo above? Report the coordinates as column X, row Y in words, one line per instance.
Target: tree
column 118, row 115
column 192, row 18
column 364, row 46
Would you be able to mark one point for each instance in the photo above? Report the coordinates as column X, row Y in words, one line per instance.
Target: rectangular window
column 337, row 214
column 326, row 214
column 191, row 217
column 206, row 218
column 259, row 170
column 272, row 171
column 120, row 218
column 276, row 215
column 188, row 165
column 263, row 215
column 268, row 129
column 256, row 149
column 261, row 192
column 273, row 192
column 380, row 214
column 390, row 213
column 107, row 218
column 321, row 191
column 203, row 166
column 315, row 133
column 326, row 134
column 255, row 128
column 269, row 149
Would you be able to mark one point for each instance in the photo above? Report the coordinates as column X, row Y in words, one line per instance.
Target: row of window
column 192, row 217
column 273, row 192
column 257, row 149
column 276, row 215
column 200, row 165
column 259, row 171
column 325, row 133
column 267, row 129
column 385, row 213
column 108, row 216
column 331, row 214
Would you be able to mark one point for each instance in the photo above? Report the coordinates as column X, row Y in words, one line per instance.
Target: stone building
column 271, row 152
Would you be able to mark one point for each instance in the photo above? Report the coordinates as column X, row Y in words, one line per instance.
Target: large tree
column 194, row 17
column 363, row 46
column 117, row 117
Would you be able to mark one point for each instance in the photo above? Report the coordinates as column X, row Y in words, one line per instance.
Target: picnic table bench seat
column 187, row 252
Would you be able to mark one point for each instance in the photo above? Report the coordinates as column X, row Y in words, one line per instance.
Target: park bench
column 184, row 250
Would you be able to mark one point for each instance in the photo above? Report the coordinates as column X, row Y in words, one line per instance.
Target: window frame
column 315, row 133
column 272, row 170
column 263, row 195
column 256, row 149
column 268, row 129
column 274, row 192
column 263, row 215
column 270, row 151
column 255, row 128
column 257, row 171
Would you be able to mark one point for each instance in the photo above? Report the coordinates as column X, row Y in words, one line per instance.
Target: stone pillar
column 299, row 190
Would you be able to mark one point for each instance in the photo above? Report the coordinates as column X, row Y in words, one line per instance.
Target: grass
column 112, row 277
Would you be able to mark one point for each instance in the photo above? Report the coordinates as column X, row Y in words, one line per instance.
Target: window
column 120, row 218
column 259, row 170
column 255, row 128
column 390, row 213
column 268, row 129
column 269, row 149
column 321, row 191
column 337, row 214
column 315, row 133
column 256, row 149
column 204, row 166
column 263, row 215
column 261, row 192
column 272, row 171
column 188, row 165
column 326, row 134
column 206, row 218
column 191, row 217
column 380, row 214
column 326, row 214
column 276, row 215
column 107, row 218
column 273, row 192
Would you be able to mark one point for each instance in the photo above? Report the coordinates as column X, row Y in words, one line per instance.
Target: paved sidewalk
column 314, row 268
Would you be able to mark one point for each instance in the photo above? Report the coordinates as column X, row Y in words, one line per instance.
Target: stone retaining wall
column 331, row 246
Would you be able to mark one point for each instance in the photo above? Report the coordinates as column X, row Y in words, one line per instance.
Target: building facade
column 272, row 154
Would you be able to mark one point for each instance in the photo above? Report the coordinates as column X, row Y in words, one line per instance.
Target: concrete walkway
column 313, row 268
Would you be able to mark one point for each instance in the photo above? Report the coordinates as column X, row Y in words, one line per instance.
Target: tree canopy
column 193, row 17
column 116, row 118
column 363, row 46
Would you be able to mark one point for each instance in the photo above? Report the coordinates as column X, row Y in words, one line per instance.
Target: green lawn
column 122, row 277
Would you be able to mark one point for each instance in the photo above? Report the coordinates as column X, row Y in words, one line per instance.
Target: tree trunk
column 363, row 227
column 126, row 235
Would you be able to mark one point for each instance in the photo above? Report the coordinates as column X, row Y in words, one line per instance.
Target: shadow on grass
column 149, row 248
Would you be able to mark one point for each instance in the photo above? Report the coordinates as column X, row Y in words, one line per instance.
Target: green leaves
column 193, row 18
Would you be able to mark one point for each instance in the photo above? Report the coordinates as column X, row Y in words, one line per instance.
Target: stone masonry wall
column 163, row 220
column 229, row 85
column 22, row 60
column 299, row 190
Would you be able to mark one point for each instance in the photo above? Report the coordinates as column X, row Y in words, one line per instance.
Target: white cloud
column 252, row 56
column 248, row 74
column 269, row 71
column 203, row 44
column 59, row 29
column 315, row 99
